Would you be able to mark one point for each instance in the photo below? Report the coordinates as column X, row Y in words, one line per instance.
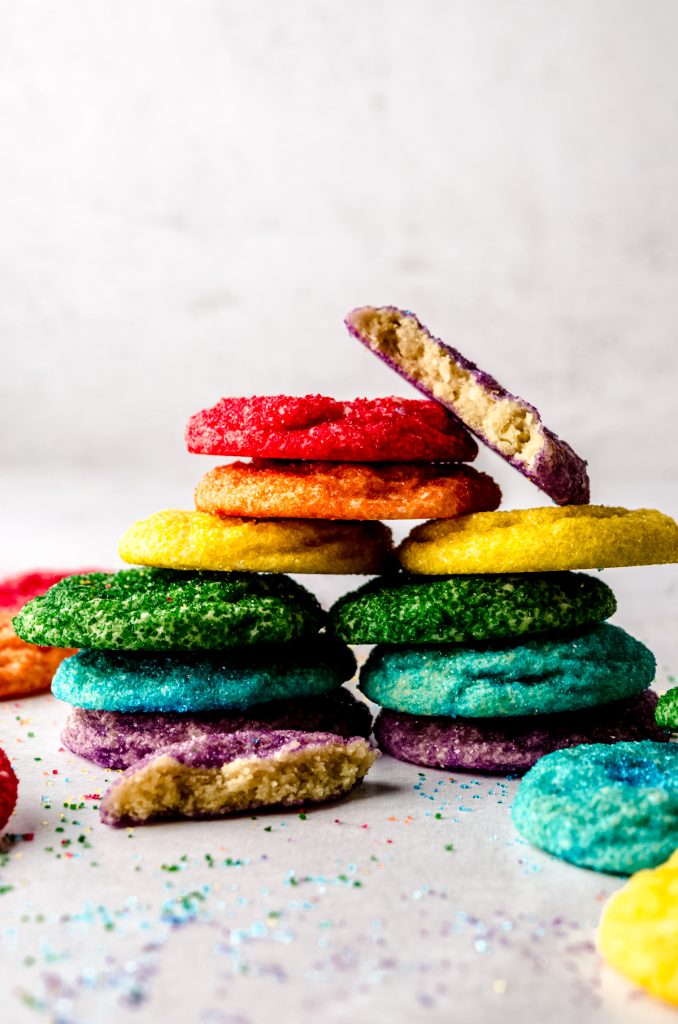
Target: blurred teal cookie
column 164, row 609
column 538, row 676
column 458, row 609
column 210, row 681
column 610, row 807
column 666, row 714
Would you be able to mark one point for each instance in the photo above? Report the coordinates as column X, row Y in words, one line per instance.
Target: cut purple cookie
column 218, row 775
column 504, row 422
column 511, row 744
column 115, row 739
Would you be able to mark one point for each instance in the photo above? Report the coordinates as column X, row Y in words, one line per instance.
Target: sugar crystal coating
column 540, row 675
column 345, row 490
column 458, row 609
column 242, row 771
column 163, row 609
column 638, row 930
column 511, row 744
column 667, row 710
column 542, row 540
column 230, row 679
column 8, row 789
column 316, row 427
column 607, row 807
column 117, row 739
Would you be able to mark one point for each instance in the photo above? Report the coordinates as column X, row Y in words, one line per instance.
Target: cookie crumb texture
column 161, row 609
column 244, row 772
column 638, row 931
column 607, row 807
column 542, row 540
column 345, row 490
column 505, row 422
column 176, row 539
column 316, row 427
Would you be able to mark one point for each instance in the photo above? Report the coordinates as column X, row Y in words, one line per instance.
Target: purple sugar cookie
column 511, row 744
column 116, row 739
column 504, row 422
column 217, row 775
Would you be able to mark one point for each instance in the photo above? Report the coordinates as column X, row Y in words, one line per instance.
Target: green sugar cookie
column 666, row 714
column 166, row 609
column 458, row 609
column 607, row 806
column 539, row 676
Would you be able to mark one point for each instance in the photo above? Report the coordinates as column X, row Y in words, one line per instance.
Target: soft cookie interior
column 509, row 425
column 166, row 787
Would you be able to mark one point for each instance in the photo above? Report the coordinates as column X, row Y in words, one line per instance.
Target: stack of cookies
column 505, row 655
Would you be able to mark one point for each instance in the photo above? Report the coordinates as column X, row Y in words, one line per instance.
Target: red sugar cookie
column 345, row 490
column 8, row 789
column 314, row 427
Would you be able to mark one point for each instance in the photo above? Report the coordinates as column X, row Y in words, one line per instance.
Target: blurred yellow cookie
column 542, row 540
column 638, row 932
column 196, row 540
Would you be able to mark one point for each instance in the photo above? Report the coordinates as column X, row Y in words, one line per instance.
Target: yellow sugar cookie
column 176, row 539
column 542, row 540
column 638, row 931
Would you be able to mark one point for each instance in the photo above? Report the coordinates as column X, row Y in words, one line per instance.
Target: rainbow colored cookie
column 8, row 789
column 161, row 609
column 195, row 540
column 239, row 772
column 460, row 609
column 607, row 807
column 118, row 739
column 230, row 679
column 510, row 744
column 638, row 931
column 508, row 424
column 542, row 540
column 315, row 427
column 538, row 676
column 345, row 490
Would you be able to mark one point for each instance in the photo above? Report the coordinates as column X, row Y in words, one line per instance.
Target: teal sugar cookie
column 165, row 609
column 610, row 807
column 666, row 714
column 458, row 609
column 210, row 681
column 542, row 675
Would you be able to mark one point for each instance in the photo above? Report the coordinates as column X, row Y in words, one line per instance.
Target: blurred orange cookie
column 267, row 488
column 26, row 668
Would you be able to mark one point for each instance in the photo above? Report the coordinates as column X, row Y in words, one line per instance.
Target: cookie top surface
column 638, row 931
column 316, row 427
column 231, row 679
column 345, row 490
column 458, row 609
column 117, row 739
column 176, row 539
column 15, row 591
column 219, row 775
column 542, row 540
column 162, row 609
column 667, row 710
column 541, row 675
column 512, row 744
column 504, row 422
column 610, row 807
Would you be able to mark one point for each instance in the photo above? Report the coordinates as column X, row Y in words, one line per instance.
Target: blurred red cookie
column 315, row 427
column 26, row 668
column 8, row 789
column 345, row 490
